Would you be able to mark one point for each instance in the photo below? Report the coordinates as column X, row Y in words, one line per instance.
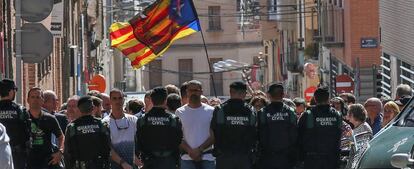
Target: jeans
column 233, row 161
column 161, row 163
column 190, row 164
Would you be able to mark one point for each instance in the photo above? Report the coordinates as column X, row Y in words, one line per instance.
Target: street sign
column 37, row 43
column 57, row 19
column 309, row 93
column 369, row 43
column 36, row 10
column 344, row 84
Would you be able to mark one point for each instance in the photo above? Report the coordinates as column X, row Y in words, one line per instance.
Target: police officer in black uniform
column 158, row 134
column 234, row 128
column 87, row 142
column 17, row 122
column 277, row 129
column 320, row 133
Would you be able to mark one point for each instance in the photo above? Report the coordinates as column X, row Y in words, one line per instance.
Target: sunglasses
column 121, row 128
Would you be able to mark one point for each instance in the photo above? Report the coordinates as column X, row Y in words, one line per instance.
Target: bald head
column 106, row 103
column 373, row 107
column 50, row 101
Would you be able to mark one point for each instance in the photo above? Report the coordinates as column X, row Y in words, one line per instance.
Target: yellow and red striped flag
column 149, row 34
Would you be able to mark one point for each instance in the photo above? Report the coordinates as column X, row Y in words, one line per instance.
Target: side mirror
column 401, row 160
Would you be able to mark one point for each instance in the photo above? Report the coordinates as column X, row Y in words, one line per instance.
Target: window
column 218, row 79
column 386, row 75
column 272, row 5
column 341, row 3
column 238, row 5
column 44, row 68
column 214, row 19
column 406, row 74
column 155, row 74
column 345, row 70
column 39, row 71
column 184, row 66
column 380, row 34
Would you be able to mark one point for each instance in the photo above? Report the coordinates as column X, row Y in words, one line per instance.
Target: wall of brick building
column 51, row 79
column 361, row 21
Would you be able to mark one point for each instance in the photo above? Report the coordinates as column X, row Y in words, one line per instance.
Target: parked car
column 396, row 137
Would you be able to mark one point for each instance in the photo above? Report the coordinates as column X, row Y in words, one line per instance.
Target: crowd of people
column 180, row 128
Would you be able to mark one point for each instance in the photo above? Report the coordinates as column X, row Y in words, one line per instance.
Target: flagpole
column 209, row 63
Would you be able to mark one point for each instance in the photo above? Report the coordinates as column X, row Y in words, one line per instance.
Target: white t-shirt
column 196, row 126
column 122, row 135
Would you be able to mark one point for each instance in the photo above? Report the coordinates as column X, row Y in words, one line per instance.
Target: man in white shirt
column 122, row 127
column 196, row 117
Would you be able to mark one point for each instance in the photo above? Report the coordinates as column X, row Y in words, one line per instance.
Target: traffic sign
column 97, row 83
column 36, row 10
column 344, row 84
column 309, row 93
column 37, row 43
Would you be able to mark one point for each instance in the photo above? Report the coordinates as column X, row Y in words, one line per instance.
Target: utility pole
column 66, row 67
column 18, row 52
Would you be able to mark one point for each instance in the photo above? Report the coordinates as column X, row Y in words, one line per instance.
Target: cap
column 8, row 84
column 403, row 100
column 238, row 85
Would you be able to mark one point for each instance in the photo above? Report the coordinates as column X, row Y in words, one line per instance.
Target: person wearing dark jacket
column 320, row 133
column 87, row 143
column 158, row 135
column 277, row 128
column 234, row 129
column 17, row 122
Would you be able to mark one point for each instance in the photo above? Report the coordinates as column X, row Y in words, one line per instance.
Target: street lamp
column 232, row 65
column 229, row 65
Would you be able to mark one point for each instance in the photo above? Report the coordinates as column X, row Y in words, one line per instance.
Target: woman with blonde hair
column 391, row 110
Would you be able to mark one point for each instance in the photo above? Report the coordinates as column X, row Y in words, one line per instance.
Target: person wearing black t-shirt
column 41, row 155
column 50, row 101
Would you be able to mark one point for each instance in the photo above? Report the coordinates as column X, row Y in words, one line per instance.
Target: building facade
column 297, row 24
column 350, row 44
column 227, row 36
column 396, row 21
column 77, row 31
